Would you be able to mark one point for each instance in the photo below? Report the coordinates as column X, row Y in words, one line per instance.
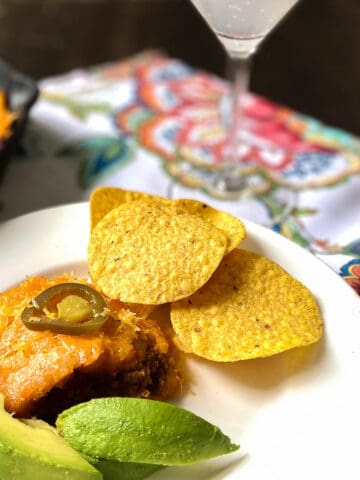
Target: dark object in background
column 21, row 93
column 310, row 63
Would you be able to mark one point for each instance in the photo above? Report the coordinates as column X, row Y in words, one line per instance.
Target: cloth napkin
column 151, row 123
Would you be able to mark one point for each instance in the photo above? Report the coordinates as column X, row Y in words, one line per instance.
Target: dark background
column 311, row 62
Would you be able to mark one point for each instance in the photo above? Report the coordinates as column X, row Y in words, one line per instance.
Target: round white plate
column 295, row 415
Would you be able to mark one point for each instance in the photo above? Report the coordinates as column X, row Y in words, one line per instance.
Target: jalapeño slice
column 43, row 314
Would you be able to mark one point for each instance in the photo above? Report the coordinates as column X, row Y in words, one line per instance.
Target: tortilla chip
column 141, row 252
column 233, row 227
column 105, row 199
column 249, row 308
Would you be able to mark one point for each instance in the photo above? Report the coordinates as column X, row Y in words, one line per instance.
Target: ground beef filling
column 155, row 376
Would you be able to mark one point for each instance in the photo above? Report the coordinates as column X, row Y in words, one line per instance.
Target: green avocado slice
column 113, row 470
column 141, row 431
column 31, row 449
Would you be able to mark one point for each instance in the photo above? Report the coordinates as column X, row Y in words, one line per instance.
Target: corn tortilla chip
column 142, row 253
column 233, row 227
column 249, row 308
column 105, row 199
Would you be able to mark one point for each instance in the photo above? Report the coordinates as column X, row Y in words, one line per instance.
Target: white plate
column 296, row 415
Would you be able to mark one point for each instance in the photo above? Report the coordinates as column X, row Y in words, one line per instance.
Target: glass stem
column 230, row 181
column 239, row 72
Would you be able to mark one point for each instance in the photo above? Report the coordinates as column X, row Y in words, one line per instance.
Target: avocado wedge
column 112, row 470
column 141, row 431
column 31, row 449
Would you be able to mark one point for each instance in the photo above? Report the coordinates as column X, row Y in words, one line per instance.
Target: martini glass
column 240, row 25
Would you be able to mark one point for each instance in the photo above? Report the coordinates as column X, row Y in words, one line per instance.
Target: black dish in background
column 21, row 93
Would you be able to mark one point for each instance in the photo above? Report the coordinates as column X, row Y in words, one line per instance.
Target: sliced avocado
column 31, row 449
column 113, row 470
column 141, row 430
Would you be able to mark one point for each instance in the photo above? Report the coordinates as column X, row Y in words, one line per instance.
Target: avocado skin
column 32, row 450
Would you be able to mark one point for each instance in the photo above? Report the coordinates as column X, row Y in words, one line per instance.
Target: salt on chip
column 233, row 227
column 142, row 253
column 249, row 308
column 105, row 199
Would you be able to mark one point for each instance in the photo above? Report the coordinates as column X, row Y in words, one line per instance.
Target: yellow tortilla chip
column 141, row 252
column 249, row 308
column 105, row 199
column 233, row 227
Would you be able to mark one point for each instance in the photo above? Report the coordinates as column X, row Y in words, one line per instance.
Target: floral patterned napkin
column 152, row 123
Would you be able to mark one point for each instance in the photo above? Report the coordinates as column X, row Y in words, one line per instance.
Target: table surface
column 121, row 125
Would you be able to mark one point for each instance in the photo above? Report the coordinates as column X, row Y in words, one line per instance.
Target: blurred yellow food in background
column 7, row 117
